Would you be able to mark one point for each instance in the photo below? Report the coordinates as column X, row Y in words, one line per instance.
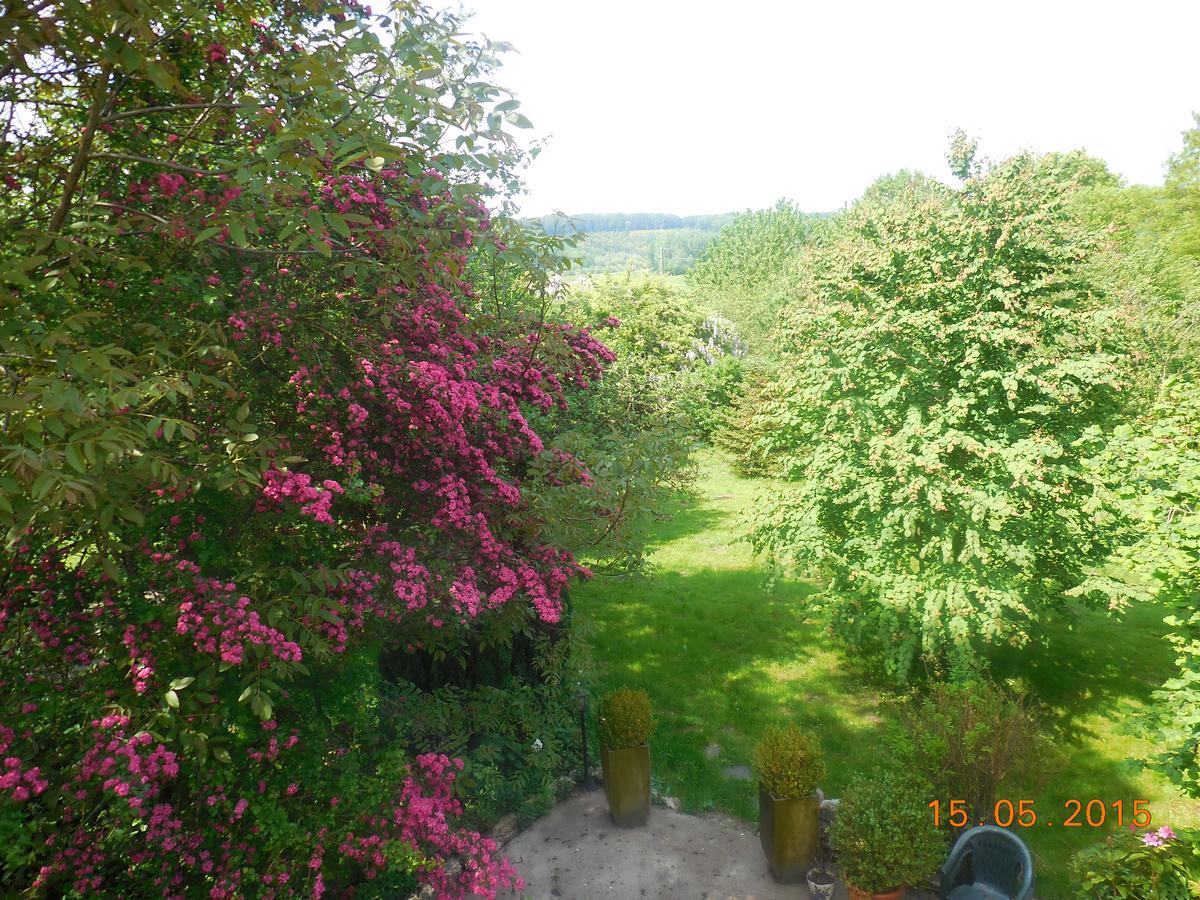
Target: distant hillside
column 658, row 242
column 596, row 222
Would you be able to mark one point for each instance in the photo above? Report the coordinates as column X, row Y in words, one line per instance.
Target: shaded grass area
column 723, row 656
column 1093, row 676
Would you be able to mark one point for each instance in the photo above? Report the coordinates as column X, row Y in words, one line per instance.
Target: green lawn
column 723, row 657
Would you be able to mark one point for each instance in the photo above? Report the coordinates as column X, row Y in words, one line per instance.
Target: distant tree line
column 559, row 223
column 666, row 251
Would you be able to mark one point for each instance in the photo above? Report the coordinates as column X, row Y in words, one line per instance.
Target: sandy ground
column 575, row 852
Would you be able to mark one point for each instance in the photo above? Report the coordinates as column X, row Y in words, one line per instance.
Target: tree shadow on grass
column 1090, row 663
column 1084, row 670
column 684, row 520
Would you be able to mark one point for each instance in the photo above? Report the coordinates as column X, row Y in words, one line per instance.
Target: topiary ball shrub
column 625, row 718
column 884, row 834
column 789, row 762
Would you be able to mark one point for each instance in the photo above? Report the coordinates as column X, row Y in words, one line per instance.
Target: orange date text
column 1007, row 813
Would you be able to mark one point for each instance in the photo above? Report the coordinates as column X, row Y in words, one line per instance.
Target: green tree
column 947, row 378
column 744, row 273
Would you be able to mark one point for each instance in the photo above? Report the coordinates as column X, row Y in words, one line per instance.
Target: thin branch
column 129, row 157
column 99, row 98
column 148, row 110
column 136, row 212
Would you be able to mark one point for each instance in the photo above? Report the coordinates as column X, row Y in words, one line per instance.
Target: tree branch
column 147, row 110
column 79, row 163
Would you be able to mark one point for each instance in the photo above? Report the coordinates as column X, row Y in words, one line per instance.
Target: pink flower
column 1166, row 833
column 1152, row 839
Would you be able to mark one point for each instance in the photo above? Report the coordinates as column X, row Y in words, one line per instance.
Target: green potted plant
column 885, row 837
column 626, row 723
column 789, row 767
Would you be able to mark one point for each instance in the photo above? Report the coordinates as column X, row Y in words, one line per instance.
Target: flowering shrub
column 255, row 430
column 1157, row 864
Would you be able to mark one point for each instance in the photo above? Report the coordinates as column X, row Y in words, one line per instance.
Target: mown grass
column 723, row 657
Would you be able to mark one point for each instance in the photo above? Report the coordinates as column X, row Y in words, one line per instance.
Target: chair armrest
column 952, row 865
column 1025, row 892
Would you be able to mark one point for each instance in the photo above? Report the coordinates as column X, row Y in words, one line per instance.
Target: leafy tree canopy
column 947, row 378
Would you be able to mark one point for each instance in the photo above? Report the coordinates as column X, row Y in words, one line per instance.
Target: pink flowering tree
column 256, row 427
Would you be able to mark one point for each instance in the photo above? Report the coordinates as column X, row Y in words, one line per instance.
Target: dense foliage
column 625, row 718
column 684, row 361
column 746, row 272
column 884, row 835
column 789, row 762
column 965, row 738
column 1151, row 269
column 265, row 444
column 947, row 381
column 1157, row 864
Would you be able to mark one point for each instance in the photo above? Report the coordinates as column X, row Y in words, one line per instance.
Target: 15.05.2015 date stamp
column 1022, row 813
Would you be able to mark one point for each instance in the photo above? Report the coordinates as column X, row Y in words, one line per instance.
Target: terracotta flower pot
column 627, row 784
column 789, row 831
column 894, row 894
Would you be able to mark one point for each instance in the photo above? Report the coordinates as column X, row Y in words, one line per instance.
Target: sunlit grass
column 722, row 657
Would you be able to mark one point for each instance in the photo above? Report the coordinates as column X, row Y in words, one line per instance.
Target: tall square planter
column 627, row 784
column 790, row 833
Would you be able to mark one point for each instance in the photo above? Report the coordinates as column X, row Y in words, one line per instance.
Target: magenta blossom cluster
column 151, row 736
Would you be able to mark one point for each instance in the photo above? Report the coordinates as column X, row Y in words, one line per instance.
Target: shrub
column 1155, row 865
column 689, row 359
column 742, row 271
column 508, row 712
column 965, row 738
column 884, row 835
column 789, row 762
column 625, row 718
column 1159, row 464
column 947, row 379
column 742, row 428
column 256, row 427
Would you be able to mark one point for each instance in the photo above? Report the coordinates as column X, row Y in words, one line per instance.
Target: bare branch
column 179, row 107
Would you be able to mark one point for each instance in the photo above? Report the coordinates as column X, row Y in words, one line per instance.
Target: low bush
column 884, row 835
column 966, row 738
column 789, row 762
column 626, row 719
column 1155, row 865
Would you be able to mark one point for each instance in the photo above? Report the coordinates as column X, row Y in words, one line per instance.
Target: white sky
column 690, row 106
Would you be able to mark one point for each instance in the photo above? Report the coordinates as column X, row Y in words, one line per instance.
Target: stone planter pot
column 820, row 884
column 627, row 784
column 789, row 833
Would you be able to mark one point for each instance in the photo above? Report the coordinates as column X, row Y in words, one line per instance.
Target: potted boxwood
column 885, row 838
column 789, row 767
column 626, row 723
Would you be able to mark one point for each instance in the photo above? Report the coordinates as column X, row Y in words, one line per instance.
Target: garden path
column 576, row 853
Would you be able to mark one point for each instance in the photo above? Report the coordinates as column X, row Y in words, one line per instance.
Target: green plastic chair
column 1001, row 866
